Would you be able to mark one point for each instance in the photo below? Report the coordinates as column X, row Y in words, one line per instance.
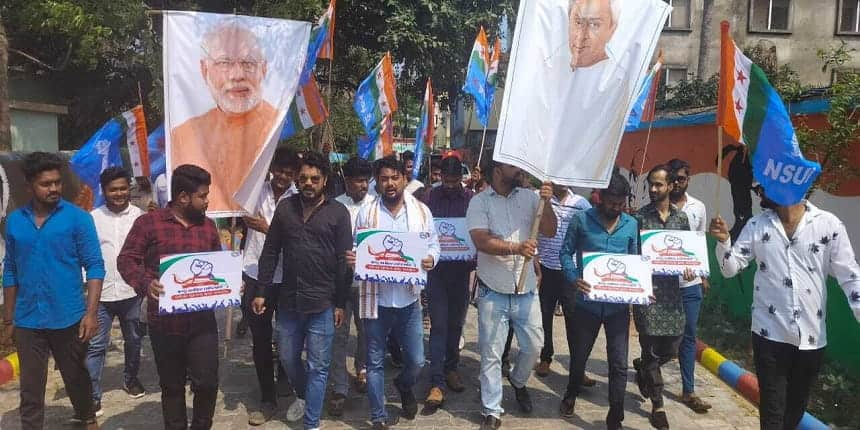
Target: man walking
column 605, row 228
column 796, row 247
column 48, row 314
column 499, row 221
column 313, row 234
column 398, row 310
column 357, row 173
column 660, row 324
column 447, row 289
column 113, row 221
column 283, row 168
column 692, row 292
column 553, row 284
column 185, row 345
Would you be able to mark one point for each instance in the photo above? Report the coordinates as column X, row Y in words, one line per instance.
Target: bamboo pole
column 644, row 155
column 719, row 166
column 532, row 236
column 483, row 138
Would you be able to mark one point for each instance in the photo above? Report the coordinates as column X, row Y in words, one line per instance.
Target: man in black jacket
column 314, row 233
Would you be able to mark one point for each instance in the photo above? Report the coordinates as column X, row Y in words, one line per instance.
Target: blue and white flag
column 100, row 152
column 157, row 161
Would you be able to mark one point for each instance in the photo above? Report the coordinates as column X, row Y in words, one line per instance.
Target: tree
column 5, row 121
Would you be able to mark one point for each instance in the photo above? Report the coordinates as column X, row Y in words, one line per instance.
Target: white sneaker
column 462, row 343
column 296, row 410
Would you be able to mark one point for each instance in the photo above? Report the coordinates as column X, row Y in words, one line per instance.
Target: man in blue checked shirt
column 605, row 228
column 48, row 241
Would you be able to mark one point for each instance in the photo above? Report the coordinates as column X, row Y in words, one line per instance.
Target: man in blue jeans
column 113, row 221
column 313, row 234
column 388, row 308
column 499, row 220
column 605, row 228
column 693, row 291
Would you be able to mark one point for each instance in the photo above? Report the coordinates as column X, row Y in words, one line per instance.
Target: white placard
column 455, row 243
column 669, row 252
column 200, row 281
column 617, row 278
column 391, row 257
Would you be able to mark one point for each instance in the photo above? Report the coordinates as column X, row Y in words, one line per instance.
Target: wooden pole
column 719, row 166
column 483, row 138
column 532, row 236
column 228, row 328
column 644, row 154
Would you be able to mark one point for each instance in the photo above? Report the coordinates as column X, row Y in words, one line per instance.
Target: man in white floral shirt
column 796, row 247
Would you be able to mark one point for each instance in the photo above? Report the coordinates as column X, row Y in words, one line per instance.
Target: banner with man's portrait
column 229, row 81
column 574, row 72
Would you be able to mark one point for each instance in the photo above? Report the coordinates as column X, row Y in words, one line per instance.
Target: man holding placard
column 499, row 221
column 185, row 345
column 660, row 324
column 448, row 284
column 390, row 304
column 692, row 292
column 605, row 228
column 313, row 233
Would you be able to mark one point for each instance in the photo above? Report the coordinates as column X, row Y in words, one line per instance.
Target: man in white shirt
column 357, row 172
column 413, row 184
column 397, row 308
column 499, row 221
column 796, row 247
column 113, row 221
column 692, row 292
column 283, row 171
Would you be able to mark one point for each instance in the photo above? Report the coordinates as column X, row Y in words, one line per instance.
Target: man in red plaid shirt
column 184, row 344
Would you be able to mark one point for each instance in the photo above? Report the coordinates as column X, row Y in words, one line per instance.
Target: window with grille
column 770, row 15
column 849, row 17
column 679, row 18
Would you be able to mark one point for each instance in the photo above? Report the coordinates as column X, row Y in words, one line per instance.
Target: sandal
column 696, row 404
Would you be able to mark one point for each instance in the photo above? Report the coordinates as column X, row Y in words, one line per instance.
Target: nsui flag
column 751, row 112
column 572, row 78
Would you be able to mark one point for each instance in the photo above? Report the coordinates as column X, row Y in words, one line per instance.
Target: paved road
column 462, row 411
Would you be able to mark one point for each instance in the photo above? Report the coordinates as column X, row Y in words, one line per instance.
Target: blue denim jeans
column 315, row 331
column 497, row 312
column 405, row 324
column 692, row 297
column 128, row 312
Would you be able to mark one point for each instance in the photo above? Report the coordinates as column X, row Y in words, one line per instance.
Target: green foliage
column 831, row 146
column 688, row 94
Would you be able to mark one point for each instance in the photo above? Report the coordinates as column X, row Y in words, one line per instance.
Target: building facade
column 795, row 29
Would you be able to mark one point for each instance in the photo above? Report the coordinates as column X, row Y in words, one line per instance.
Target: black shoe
column 523, row 398
column 490, row 423
column 644, row 390
column 614, row 418
column 134, row 389
column 409, row 404
column 391, row 421
column 659, row 420
column 566, row 407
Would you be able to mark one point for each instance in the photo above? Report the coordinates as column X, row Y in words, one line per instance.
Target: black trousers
column 261, row 336
column 448, row 291
column 552, row 286
column 657, row 351
column 34, row 347
column 193, row 355
column 785, row 374
column 582, row 328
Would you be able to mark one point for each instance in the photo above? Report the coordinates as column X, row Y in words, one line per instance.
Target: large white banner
column 229, row 80
column 574, row 72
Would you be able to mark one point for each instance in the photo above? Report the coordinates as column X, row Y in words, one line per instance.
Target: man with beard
column 313, row 233
column 413, row 184
column 118, row 299
column 283, row 170
column 48, row 242
column 605, row 228
column 185, row 345
column 398, row 310
column 228, row 138
column 447, row 288
column 660, row 324
column 692, row 292
column 357, row 172
column 499, row 221
column 796, row 247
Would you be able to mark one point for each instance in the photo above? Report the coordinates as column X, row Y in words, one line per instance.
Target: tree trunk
column 705, row 39
column 5, row 121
